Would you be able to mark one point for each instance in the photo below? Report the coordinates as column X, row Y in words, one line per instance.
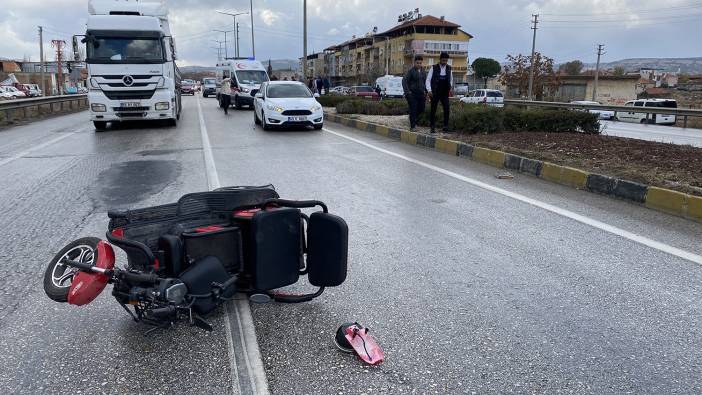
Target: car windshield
column 209, row 81
column 494, row 94
column 288, row 91
column 107, row 50
column 363, row 89
column 251, row 76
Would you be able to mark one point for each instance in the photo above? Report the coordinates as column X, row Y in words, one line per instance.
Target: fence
column 22, row 109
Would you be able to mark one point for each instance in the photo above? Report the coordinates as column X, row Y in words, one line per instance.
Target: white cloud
column 269, row 17
column 333, row 31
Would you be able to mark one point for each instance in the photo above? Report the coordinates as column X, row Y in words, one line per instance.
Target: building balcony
column 452, row 54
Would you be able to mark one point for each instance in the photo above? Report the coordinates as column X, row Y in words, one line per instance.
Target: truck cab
column 130, row 57
column 246, row 76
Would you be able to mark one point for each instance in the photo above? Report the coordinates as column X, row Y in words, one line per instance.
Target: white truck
column 246, row 77
column 130, row 58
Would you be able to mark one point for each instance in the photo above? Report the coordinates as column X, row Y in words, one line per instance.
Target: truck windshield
column 251, row 76
column 125, row 50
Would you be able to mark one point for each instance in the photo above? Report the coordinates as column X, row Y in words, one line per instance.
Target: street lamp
column 226, row 54
column 236, row 35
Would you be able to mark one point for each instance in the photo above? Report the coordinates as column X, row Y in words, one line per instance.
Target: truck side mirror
column 76, row 53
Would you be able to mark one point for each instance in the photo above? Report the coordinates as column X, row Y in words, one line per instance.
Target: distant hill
column 685, row 65
column 278, row 64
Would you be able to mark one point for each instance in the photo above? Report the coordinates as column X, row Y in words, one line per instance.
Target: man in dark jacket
column 413, row 85
column 439, row 83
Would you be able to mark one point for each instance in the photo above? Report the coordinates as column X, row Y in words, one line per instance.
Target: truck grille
column 130, row 109
column 297, row 112
column 128, row 95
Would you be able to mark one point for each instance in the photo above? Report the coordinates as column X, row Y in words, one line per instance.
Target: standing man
column 439, row 83
column 224, row 95
column 326, row 84
column 415, row 91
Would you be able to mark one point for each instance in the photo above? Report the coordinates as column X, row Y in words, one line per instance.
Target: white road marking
column 537, row 203
column 40, row 146
column 242, row 309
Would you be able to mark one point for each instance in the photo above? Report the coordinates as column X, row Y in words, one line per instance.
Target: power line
column 658, row 18
column 636, row 11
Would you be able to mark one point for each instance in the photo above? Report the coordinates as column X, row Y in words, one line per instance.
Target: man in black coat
column 439, row 83
column 415, row 91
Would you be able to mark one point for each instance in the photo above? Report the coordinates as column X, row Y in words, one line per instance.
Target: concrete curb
column 659, row 199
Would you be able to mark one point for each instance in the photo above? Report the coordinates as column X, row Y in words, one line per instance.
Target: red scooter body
column 364, row 345
column 87, row 286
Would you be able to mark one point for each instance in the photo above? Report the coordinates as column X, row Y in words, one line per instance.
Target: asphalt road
column 467, row 287
column 660, row 133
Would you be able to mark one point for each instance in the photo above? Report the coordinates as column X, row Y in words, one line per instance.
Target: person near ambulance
column 226, row 91
column 439, row 83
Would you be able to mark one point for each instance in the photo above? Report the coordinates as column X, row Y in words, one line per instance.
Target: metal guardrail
column 678, row 112
column 9, row 107
column 33, row 102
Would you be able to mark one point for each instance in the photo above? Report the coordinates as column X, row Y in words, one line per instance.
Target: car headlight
column 274, row 108
column 161, row 106
column 316, row 108
column 98, row 107
column 94, row 84
column 245, row 90
column 161, row 83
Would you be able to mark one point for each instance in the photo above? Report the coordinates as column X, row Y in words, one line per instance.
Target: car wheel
column 237, row 104
column 257, row 121
column 100, row 126
column 263, row 122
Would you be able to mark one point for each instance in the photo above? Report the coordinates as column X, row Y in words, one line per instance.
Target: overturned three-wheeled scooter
column 186, row 258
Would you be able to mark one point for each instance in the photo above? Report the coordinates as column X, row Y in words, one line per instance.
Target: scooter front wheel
column 58, row 276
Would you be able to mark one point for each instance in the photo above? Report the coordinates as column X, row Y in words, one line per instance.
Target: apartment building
column 363, row 59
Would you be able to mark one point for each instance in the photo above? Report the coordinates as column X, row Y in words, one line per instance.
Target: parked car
column 209, row 87
column 490, row 97
column 339, row 90
column 603, row 114
column 364, row 91
column 390, row 86
column 286, row 103
column 641, row 117
column 187, row 88
column 5, row 95
column 460, row 89
column 33, row 90
column 16, row 93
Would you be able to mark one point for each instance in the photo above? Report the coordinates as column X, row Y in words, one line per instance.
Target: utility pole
column 304, row 40
column 237, row 39
column 600, row 47
column 226, row 54
column 58, row 44
column 387, row 55
column 41, row 59
column 236, row 28
column 219, row 50
column 253, row 43
column 533, row 52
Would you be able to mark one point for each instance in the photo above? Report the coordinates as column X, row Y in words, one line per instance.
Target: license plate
column 130, row 104
column 297, row 119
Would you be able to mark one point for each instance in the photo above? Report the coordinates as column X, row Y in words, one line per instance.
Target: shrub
column 333, row 100
column 473, row 119
column 373, row 107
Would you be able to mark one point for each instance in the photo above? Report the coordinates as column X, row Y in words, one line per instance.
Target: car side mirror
column 316, row 95
column 259, row 96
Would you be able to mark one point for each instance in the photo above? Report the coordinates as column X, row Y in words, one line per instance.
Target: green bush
column 333, row 100
column 373, row 107
column 473, row 119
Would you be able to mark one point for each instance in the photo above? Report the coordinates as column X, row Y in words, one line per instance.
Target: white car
column 285, row 104
column 16, row 93
column 490, row 97
column 603, row 114
column 34, row 90
column 339, row 90
column 642, row 117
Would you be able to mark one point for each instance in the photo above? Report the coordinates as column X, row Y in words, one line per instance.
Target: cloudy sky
column 570, row 29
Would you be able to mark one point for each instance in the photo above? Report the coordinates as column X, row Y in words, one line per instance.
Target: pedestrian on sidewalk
column 439, row 83
column 326, row 84
column 319, row 84
column 413, row 85
column 224, row 95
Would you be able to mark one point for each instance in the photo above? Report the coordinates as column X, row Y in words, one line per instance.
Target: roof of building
column 426, row 20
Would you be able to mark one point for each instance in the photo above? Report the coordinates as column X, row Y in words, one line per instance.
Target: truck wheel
column 100, row 126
